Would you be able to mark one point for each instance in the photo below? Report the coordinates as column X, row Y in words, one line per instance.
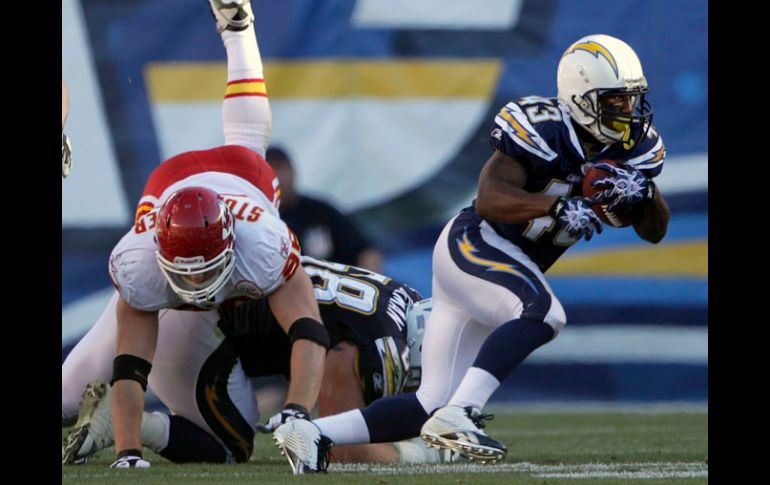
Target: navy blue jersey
column 539, row 133
column 356, row 305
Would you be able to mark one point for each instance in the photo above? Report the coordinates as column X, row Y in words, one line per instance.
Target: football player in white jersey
column 375, row 351
column 491, row 303
column 207, row 234
column 196, row 374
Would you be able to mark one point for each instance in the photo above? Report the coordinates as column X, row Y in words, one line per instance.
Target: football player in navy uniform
column 375, row 327
column 491, row 303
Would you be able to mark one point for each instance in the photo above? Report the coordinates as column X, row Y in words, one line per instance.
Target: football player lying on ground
column 375, row 325
column 492, row 305
column 207, row 234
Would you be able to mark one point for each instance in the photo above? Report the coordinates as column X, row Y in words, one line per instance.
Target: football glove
column 130, row 459
column 626, row 186
column 66, row 156
column 291, row 411
column 576, row 215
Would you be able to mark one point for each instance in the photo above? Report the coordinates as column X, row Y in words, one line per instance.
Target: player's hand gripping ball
column 611, row 209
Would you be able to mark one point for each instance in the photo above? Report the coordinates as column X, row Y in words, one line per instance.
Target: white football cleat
column 93, row 429
column 303, row 445
column 459, row 429
column 235, row 15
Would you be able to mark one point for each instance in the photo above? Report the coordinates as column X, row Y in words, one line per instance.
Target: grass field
column 578, row 447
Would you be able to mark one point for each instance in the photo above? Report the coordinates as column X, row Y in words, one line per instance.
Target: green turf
column 543, row 448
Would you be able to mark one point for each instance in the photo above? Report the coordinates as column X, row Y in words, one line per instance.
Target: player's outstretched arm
column 296, row 310
column 341, row 391
column 137, row 338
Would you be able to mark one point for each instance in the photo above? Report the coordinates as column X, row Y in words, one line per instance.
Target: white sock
column 348, row 428
column 243, row 58
column 154, row 431
column 246, row 114
column 475, row 389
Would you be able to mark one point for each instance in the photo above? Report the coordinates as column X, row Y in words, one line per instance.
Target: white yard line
column 625, row 475
column 652, row 470
column 588, row 470
column 593, row 407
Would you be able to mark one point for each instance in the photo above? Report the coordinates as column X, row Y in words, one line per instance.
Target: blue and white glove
column 130, row 459
column 290, row 411
column 576, row 215
column 626, row 186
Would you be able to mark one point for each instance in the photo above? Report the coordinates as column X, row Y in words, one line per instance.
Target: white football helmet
column 600, row 66
column 415, row 330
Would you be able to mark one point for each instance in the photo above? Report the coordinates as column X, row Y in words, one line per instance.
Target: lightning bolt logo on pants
column 468, row 250
column 212, row 399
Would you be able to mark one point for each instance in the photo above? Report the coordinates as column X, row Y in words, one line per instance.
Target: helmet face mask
column 195, row 235
column 198, row 281
column 602, row 85
column 416, row 319
column 627, row 114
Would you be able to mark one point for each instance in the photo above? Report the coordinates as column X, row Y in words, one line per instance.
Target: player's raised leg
column 246, row 112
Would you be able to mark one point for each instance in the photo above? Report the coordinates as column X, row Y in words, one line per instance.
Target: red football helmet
column 196, row 234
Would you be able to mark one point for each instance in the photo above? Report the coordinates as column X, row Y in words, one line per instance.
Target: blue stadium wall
column 387, row 116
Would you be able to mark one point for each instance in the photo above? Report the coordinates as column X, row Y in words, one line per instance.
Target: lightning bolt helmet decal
column 597, row 50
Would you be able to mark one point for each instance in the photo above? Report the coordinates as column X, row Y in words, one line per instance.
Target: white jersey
column 266, row 251
column 221, row 183
column 229, row 169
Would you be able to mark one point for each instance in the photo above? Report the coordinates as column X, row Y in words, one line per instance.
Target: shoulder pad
column 650, row 153
column 138, row 279
column 512, row 120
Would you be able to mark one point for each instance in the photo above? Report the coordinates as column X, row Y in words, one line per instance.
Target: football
column 620, row 216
